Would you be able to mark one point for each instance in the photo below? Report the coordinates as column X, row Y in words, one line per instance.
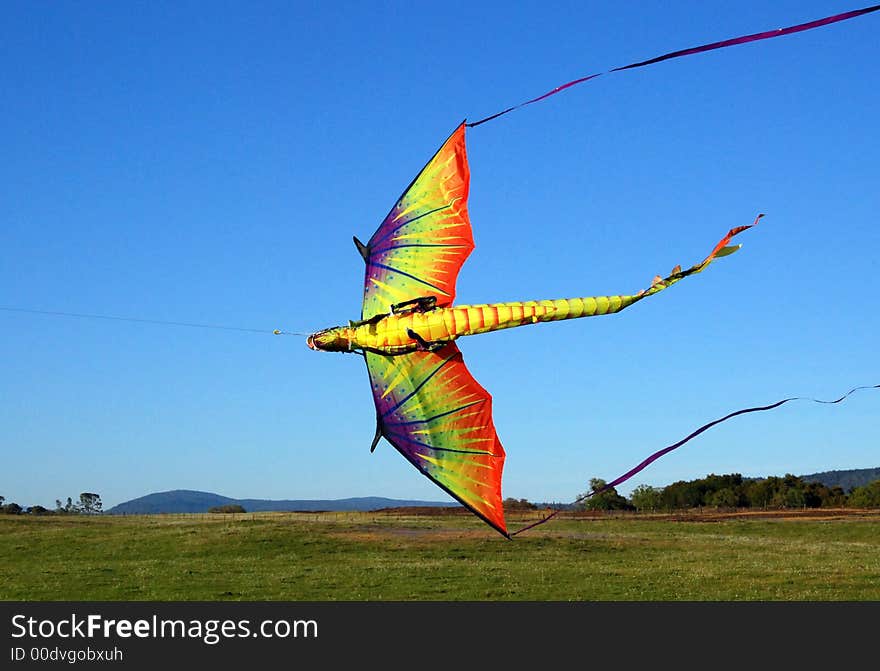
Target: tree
column 766, row 493
column 836, row 497
column 518, row 504
column 11, row 509
column 89, row 503
column 683, row 494
column 646, row 497
column 724, row 498
column 866, row 497
column 794, row 498
column 71, row 507
column 605, row 499
column 817, row 495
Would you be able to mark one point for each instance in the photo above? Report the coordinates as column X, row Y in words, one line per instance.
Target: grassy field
column 376, row 556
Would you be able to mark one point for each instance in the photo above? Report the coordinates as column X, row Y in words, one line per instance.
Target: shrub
column 229, row 508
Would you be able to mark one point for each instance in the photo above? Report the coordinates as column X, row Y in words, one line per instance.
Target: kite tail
column 464, row 320
column 602, row 305
column 666, row 450
column 721, row 249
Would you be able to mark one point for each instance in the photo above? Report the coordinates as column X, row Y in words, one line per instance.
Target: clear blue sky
column 209, row 162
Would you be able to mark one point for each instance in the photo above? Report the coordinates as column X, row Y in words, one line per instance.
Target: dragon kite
column 428, row 405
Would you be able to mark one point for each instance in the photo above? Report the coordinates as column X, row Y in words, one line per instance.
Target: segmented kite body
column 392, row 335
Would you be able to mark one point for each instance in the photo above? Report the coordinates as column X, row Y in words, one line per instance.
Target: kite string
column 659, row 453
column 161, row 322
column 693, row 50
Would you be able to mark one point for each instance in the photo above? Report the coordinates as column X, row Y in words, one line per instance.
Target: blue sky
column 209, row 162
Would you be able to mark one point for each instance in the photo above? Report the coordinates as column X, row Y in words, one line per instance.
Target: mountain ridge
column 847, row 479
column 193, row 501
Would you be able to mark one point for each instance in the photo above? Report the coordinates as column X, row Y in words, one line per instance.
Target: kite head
column 336, row 339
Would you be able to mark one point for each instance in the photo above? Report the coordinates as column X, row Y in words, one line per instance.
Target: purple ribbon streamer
column 693, row 50
column 666, row 450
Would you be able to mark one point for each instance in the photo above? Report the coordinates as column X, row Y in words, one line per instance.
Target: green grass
column 374, row 557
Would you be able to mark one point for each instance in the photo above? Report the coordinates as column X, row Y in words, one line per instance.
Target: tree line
column 734, row 491
column 720, row 491
column 89, row 503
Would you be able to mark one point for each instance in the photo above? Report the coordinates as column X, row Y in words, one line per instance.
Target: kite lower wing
column 430, row 408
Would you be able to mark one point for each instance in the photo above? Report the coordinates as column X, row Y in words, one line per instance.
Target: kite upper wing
column 437, row 416
column 423, row 242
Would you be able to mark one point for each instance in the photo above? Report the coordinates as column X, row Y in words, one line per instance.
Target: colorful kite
column 428, row 406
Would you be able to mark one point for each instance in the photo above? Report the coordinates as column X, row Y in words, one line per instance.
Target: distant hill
column 187, row 501
column 846, row 480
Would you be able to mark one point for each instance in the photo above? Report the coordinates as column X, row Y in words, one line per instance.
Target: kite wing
column 423, row 242
column 430, row 408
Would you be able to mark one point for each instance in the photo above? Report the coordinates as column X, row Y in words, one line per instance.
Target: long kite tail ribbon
column 743, row 39
column 666, row 450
